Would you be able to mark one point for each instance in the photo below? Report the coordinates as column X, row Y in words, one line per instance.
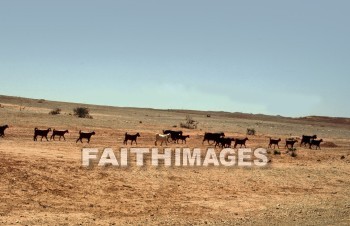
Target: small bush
column 189, row 124
column 82, row 112
column 291, row 150
column 41, row 101
column 276, row 152
column 251, row 131
column 294, row 154
column 56, row 111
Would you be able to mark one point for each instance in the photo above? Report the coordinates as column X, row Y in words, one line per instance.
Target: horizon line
column 176, row 109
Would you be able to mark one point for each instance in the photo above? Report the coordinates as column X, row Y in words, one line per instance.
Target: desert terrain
column 43, row 183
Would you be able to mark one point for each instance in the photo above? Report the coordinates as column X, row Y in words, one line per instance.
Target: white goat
column 162, row 138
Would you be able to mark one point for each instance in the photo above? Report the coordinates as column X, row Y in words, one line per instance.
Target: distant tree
column 82, row 112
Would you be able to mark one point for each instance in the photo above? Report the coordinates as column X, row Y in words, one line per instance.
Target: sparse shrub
column 41, row 101
column 251, row 131
column 276, row 152
column 82, row 112
column 56, row 111
column 189, row 124
column 293, row 152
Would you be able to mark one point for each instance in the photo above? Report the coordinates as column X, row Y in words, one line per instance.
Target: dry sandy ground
column 43, row 183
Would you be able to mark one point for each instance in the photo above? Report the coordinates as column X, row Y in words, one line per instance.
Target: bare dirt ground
column 43, row 183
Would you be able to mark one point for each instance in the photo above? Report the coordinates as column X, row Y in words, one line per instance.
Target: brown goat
column 131, row 137
column 59, row 133
column 274, row 142
column 290, row 142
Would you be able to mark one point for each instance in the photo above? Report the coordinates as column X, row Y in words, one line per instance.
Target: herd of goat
column 167, row 136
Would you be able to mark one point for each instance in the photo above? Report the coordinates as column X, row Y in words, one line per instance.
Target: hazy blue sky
column 274, row 57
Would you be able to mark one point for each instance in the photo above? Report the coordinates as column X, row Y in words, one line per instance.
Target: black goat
column 173, row 134
column 59, row 133
column 290, row 142
column 315, row 143
column 224, row 142
column 131, row 137
column 83, row 135
column 307, row 139
column 172, row 131
column 182, row 138
column 42, row 133
column 212, row 137
column 241, row 142
column 274, row 142
column 2, row 130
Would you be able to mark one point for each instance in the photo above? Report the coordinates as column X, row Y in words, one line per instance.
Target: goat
column 162, row 138
column 59, row 133
column 315, row 143
column 307, row 139
column 173, row 134
column 172, row 131
column 42, row 133
column 183, row 138
column 241, row 142
column 212, row 137
column 131, row 137
column 2, row 130
column 274, row 142
column 83, row 135
column 290, row 142
column 224, row 142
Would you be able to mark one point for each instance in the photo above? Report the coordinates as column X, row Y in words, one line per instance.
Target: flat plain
column 43, row 183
